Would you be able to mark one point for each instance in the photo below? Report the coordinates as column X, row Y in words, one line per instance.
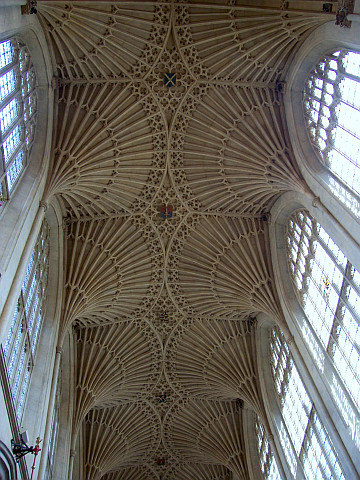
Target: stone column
column 49, row 416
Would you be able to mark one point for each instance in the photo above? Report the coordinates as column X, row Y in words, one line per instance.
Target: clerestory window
column 24, row 333
column 332, row 111
column 17, row 113
column 328, row 289
column 303, row 437
column 267, row 460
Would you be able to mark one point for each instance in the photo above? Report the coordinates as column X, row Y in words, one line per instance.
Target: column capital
column 44, row 205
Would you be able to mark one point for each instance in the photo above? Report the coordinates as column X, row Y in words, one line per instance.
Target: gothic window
column 23, row 337
column 303, row 437
column 332, row 110
column 268, row 463
column 328, row 289
column 17, row 113
column 54, row 430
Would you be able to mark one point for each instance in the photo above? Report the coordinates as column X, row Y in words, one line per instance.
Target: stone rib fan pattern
column 165, row 194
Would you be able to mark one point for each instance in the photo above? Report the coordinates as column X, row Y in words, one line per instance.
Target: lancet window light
column 267, row 460
column 303, row 437
column 328, row 289
column 24, row 333
column 17, row 113
column 332, row 110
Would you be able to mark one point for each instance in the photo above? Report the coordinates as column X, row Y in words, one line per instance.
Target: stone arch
column 7, row 463
column 326, row 38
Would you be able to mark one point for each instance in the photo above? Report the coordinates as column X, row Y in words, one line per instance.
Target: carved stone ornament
column 165, row 190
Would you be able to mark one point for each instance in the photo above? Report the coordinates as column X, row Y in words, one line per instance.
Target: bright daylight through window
column 17, row 113
column 268, row 463
column 328, row 288
column 332, row 110
column 24, row 333
column 303, row 437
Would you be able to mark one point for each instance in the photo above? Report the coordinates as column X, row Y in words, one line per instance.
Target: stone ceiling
column 170, row 148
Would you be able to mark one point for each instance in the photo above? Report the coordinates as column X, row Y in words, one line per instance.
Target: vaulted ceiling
column 170, row 148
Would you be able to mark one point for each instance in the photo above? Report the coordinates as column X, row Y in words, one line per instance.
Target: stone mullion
column 17, row 149
column 348, row 284
column 349, row 75
column 307, row 439
column 307, row 258
column 29, row 355
column 351, row 133
column 24, row 345
column 277, row 338
column 11, row 95
column 19, row 121
column 4, row 188
column 13, row 66
column 10, row 65
column 332, row 119
column 338, row 315
column 337, row 96
column 330, row 253
column 349, row 159
column 322, row 104
column 19, row 325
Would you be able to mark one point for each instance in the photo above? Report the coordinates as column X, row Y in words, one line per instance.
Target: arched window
column 332, row 110
column 328, row 289
column 24, row 333
column 267, row 460
column 303, row 438
column 17, row 113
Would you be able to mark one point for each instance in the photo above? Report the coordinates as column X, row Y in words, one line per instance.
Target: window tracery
column 328, row 289
column 23, row 336
column 332, row 111
column 17, row 113
column 268, row 464
column 303, row 436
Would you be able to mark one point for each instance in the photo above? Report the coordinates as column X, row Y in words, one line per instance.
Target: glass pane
column 28, row 272
column 351, row 63
column 14, row 323
column 304, row 433
column 19, row 371
column 267, row 460
column 11, row 142
column 7, row 84
column 6, row 53
column 350, row 91
column 16, row 347
column 334, row 120
column 23, row 393
column 27, row 321
column 14, row 171
column 8, row 114
column 330, row 299
column 17, row 118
